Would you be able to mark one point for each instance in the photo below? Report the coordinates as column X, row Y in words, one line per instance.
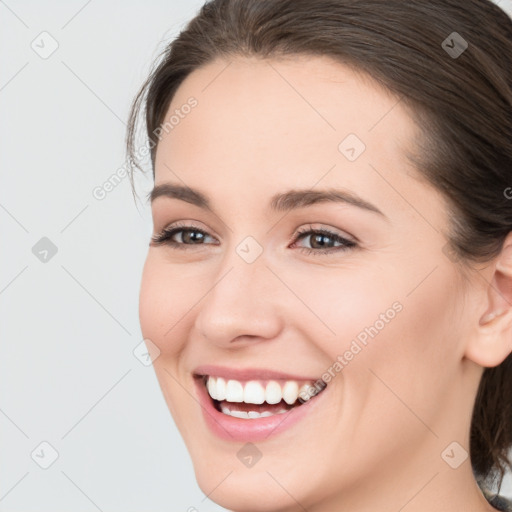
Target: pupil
column 192, row 236
column 320, row 239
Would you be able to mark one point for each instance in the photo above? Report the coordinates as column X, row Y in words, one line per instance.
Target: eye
column 322, row 240
column 189, row 235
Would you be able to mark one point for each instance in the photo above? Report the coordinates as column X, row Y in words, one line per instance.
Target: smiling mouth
column 259, row 398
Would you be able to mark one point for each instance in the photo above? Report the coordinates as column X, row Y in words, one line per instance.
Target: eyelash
column 165, row 238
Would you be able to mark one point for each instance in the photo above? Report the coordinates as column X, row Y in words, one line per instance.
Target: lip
column 244, row 374
column 256, row 429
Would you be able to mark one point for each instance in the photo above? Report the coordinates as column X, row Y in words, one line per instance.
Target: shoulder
column 501, row 503
column 498, row 502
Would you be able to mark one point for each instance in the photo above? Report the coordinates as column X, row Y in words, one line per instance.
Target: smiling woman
column 341, row 178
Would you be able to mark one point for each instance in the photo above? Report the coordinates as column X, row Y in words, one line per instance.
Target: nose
column 243, row 304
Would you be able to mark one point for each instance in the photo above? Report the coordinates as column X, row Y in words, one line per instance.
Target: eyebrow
column 282, row 202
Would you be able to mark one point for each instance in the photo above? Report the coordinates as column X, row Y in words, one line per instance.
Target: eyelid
column 328, row 230
column 185, row 224
column 161, row 236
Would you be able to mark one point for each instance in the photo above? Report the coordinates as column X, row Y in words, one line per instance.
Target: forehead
column 287, row 122
column 308, row 98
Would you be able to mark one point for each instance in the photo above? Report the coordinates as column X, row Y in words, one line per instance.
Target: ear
column 492, row 341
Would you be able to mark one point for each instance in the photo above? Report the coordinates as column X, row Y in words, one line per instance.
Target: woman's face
column 276, row 281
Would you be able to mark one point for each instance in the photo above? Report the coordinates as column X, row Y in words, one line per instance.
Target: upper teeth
column 255, row 392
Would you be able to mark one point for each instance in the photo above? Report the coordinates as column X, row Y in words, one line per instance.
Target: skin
column 266, row 126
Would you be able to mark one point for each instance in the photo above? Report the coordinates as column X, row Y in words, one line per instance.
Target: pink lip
column 244, row 374
column 257, row 429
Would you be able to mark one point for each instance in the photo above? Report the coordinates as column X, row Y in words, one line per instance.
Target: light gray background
column 68, row 375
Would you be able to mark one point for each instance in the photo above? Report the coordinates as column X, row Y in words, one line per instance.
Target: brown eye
column 323, row 241
column 180, row 236
column 190, row 236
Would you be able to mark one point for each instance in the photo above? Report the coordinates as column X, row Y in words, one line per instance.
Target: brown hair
column 460, row 97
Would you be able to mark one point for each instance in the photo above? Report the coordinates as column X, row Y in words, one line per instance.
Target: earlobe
column 492, row 340
column 493, row 343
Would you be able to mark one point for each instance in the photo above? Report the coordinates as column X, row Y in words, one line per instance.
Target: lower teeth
column 250, row 414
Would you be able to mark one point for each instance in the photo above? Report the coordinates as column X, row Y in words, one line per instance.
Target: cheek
column 404, row 368
column 384, row 326
column 394, row 359
column 400, row 315
column 167, row 296
column 349, row 303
